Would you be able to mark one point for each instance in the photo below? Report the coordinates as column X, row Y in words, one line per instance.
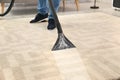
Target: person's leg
column 56, row 4
column 42, row 7
column 51, row 21
column 42, row 11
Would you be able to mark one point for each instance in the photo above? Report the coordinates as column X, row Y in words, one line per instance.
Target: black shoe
column 39, row 17
column 51, row 24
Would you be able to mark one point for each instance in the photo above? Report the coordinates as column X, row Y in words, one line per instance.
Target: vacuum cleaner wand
column 62, row 42
column 55, row 17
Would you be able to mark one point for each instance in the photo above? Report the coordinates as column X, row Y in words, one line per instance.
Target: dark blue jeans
column 43, row 7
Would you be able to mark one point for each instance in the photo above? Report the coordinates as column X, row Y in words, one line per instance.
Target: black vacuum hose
column 9, row 8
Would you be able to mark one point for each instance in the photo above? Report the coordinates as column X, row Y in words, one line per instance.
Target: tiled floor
column 25, row 49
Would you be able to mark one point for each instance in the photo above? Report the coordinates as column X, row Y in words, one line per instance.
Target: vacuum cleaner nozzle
column 62, row 43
